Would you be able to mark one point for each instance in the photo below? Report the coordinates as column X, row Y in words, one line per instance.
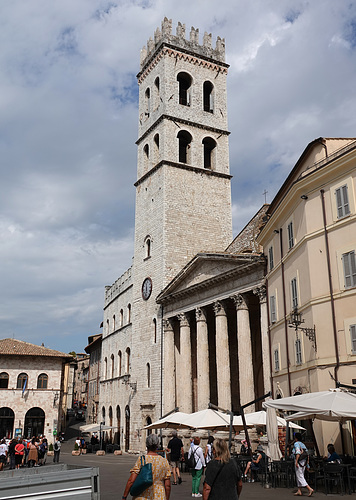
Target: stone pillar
column 261, row 293
column 184, row 383
column 244, row 350
column 169, row 367
column 203, row 386
column 222, row 357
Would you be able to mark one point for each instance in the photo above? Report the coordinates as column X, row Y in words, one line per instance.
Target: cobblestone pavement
column 114, row 472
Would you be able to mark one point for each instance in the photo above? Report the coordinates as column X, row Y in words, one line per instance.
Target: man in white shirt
column 3, row 454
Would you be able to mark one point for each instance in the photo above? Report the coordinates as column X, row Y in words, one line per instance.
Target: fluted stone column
column 203, row 386
column 169, row 367
column 184, row 383
column 222, row 357
column 244, row 351
column 261, row 293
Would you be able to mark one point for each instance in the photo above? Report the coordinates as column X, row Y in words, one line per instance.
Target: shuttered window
column 294, row 293
column 270, row 258
column 272, row 306
column 290, row 235
column 342, row 201
column 353, row 338
column 298, row 352
column 349, row 264
column 276, row 360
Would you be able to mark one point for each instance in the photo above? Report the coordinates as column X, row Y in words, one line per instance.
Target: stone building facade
column 31, row 389
column 93, row 349
column 310, row 242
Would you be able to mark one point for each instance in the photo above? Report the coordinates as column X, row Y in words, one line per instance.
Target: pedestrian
column 255, row 465
column 301, row 458
column 56, row 449
column 161, row 487
column 197, row 472
column 208, row 455
column 11, row 453
column 176, row 451
column 3, row 454
column 32, row 459
column 19, row 453
column 222, row 475
column 79, row 443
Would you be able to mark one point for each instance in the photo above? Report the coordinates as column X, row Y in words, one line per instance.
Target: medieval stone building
column 187, row 323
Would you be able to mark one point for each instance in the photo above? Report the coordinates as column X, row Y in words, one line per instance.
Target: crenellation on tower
column 179, row 40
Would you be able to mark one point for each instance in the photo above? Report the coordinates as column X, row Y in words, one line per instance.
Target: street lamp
column 296, row 320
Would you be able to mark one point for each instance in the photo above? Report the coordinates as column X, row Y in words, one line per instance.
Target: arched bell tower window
column 148, row 247
column 112, row 366
column 148, row 367
column 184, row 140
column 185, row 83
column 154, row 330
column 209, row 146
column 128, row 352
column 147, row 102
column 121, row 318
column 156, row 93
column 156, row 148
column 208, row 103
column 128, row 313
column 119, row 363
column 146, row 150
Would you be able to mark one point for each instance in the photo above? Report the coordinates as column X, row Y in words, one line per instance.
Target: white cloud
column 68, row 125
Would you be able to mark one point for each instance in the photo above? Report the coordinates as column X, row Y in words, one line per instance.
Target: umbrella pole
column 246, row 431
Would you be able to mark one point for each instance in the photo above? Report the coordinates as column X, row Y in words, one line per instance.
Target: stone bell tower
column 183, row 195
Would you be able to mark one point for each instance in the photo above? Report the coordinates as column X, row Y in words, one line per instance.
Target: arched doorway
column 34, row 422
column 127, row 428
column 7, row 418
column 118, row 430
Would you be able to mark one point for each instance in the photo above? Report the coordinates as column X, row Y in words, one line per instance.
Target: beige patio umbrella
column 259, row 418
column 273, row 451
column 173, row 421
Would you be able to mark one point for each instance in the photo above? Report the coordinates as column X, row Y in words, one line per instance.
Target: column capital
column 261, row 292
column 219, row 308
column 167, row 324
column 183, row 319
column 200, row 314
column 239, row 301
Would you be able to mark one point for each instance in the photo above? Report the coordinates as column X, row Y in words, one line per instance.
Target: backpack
column 191, row 461
column 56, row 447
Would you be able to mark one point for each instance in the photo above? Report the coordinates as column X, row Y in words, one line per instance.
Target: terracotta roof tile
column 21, row 348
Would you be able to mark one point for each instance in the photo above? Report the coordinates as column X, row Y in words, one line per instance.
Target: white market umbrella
column 208, row 419
column 95, row 428
column 172, row 421
column 259, row 418
column 333, row 405
column 273, row 451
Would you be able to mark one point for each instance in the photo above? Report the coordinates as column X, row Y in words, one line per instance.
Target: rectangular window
column 353, row 338
column 349, row 263
column 342, row 201
column 290, row 235
column 272, row 307
column 298, row 352
column 276, row 360
column 294, row 293
column 270, row 258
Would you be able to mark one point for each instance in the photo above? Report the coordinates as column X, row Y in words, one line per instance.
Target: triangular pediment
column 205, row 268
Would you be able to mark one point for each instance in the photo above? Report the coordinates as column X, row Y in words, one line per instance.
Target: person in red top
column 19, row 453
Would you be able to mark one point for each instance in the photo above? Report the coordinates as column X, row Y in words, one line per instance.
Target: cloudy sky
column 68, row 125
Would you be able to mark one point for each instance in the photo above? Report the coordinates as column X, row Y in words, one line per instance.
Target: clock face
column 146, row 288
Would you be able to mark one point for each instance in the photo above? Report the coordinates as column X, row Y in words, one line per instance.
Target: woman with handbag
column 222, row 475
column 157, row 485
column 300, row 453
